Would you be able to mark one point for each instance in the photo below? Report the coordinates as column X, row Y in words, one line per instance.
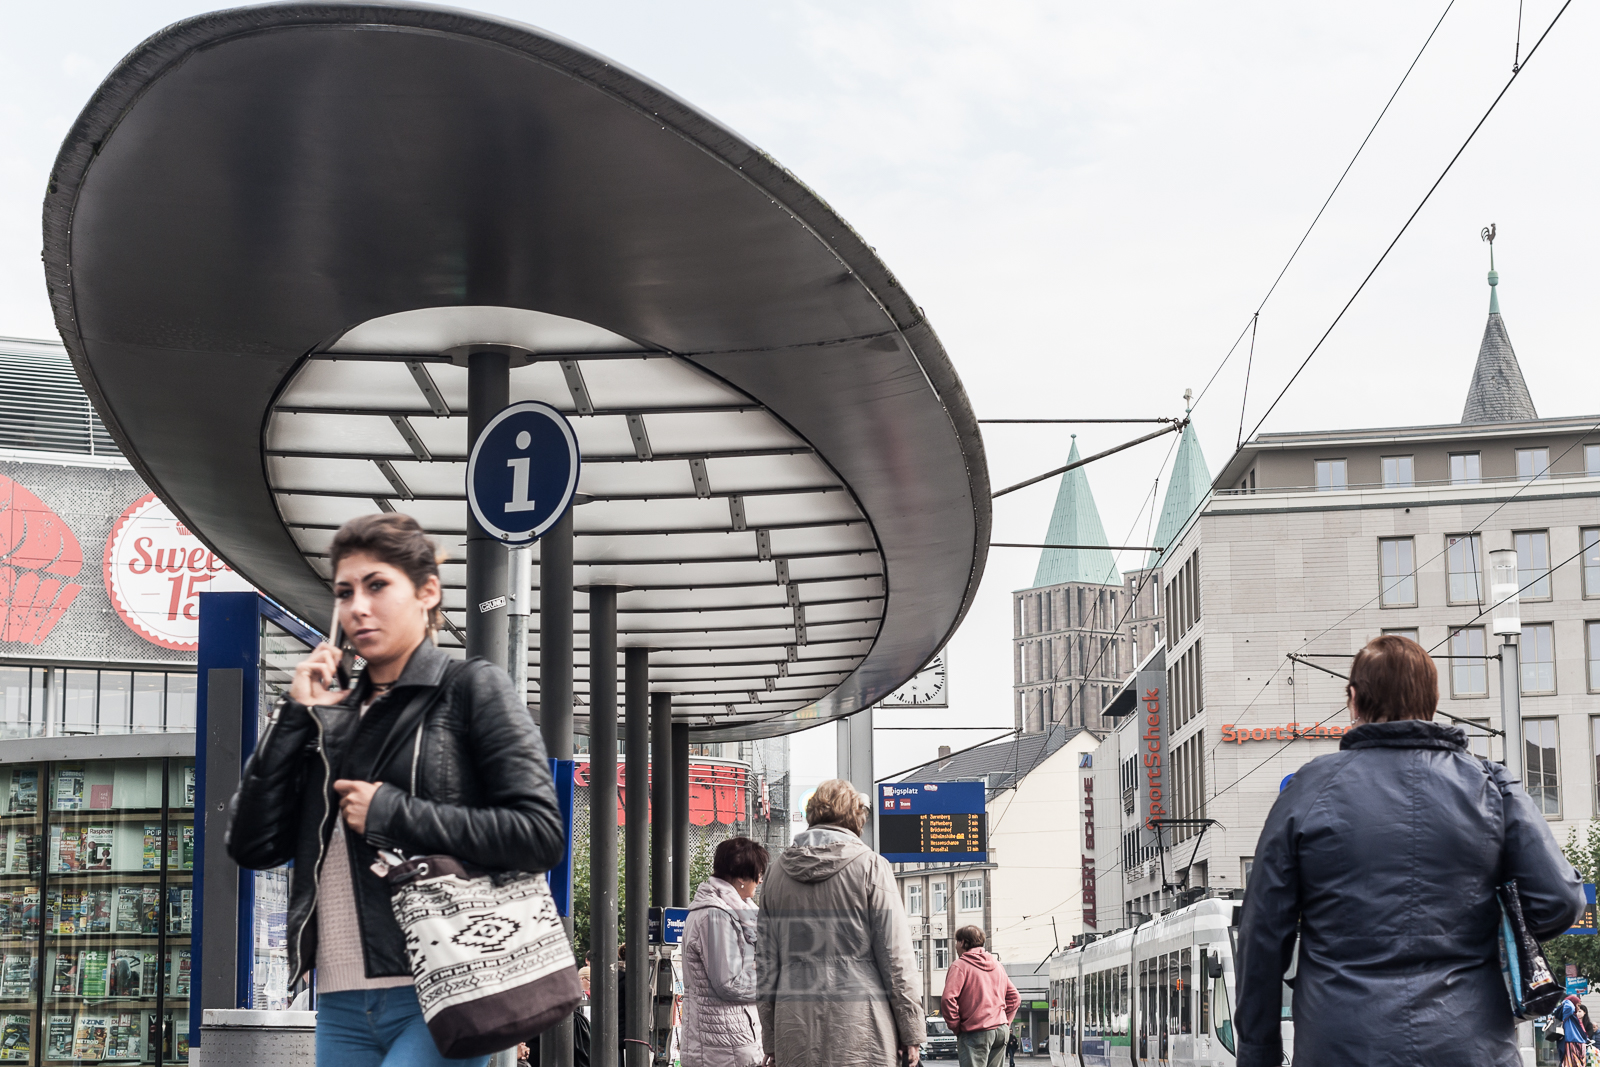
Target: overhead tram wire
column 1249, row 327
column 1411, row 218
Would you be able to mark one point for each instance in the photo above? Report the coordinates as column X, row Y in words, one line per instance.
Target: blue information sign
column 933, row 822
column 1585, row 923
column 666, row 925
column 522, row 472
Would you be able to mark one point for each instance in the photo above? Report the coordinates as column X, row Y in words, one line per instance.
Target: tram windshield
column 1221, row 1013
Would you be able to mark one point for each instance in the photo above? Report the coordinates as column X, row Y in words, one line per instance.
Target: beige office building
column 1313, row 543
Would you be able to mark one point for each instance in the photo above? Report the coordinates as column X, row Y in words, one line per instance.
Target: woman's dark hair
column 739, row 857
column 1394, row 678
column 392, row 538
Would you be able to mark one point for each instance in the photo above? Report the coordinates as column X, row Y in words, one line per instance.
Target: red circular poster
column 155, row 572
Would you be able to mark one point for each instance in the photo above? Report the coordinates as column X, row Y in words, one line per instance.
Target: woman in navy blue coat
column 1384, row 858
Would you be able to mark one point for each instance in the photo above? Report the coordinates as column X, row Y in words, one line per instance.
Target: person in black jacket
column 1384, row 858
column 424, row 754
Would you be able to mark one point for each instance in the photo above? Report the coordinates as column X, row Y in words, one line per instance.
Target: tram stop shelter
column 300, row 253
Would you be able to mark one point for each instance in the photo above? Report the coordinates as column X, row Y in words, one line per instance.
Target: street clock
column 926, row 689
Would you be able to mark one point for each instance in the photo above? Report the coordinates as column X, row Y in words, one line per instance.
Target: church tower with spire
column 1497, row 393
column 1069, row 638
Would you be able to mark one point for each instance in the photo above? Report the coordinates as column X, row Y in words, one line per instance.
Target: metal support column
column 488, row 390
column 661, row 799
column 680, row 815
column 1511, row 704
column 603, row 826
column 555, row 703
column 855, row 765
column 519, row 593
column 636, row 1026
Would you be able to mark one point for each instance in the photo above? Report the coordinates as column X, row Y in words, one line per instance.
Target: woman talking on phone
column 423, row 754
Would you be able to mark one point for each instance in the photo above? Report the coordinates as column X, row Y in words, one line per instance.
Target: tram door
column 1166, row 1008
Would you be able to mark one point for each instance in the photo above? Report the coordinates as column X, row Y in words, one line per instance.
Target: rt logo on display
column 523, row 472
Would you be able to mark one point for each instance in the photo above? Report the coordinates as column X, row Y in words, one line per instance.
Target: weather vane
column 1488, row 235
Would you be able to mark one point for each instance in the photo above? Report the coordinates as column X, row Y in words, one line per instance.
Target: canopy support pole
column 488, row 391
column 680, row 815
column 555, row 702
column 603, row 825
column 636, row 981
column 661, row 800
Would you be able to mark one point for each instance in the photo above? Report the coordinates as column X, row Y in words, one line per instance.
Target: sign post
column 933, row 822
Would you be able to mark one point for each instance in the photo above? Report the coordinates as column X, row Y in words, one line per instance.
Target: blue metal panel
column 561, row 877
column 230, row 636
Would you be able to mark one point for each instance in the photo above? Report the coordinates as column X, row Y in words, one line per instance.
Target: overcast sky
column 1089, row 200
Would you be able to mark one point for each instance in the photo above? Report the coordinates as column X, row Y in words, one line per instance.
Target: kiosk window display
column 96, row 911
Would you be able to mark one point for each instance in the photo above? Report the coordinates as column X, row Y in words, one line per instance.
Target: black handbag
column 1533, row 990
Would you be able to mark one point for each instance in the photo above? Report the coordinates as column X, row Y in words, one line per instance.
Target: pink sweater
column 977, row 993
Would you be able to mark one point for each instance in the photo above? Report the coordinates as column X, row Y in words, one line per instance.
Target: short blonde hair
column 836, row 803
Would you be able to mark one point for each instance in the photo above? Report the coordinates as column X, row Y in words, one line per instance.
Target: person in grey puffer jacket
column 834, row 948
column 720, row 1024
column 1385, row 858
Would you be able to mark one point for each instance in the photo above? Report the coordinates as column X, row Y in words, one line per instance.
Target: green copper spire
column 1494, row 291
column 1187, row 488
column 1075, row 521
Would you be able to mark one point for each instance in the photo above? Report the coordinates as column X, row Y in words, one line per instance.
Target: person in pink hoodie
column 979, row 1002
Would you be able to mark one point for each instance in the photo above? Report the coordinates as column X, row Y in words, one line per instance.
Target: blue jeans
column 378, row 1028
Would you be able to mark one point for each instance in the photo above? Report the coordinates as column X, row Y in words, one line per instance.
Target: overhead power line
column 1412, row 217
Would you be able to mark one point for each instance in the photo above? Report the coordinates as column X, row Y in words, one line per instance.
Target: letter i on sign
column 519, row 477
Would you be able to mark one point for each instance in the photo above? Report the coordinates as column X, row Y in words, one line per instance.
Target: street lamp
column 1505, row 618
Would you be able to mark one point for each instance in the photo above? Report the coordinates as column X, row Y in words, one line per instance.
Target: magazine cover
column 23, row 797
column 69, row 789
column 97, row 848
column 180, row 972
column 89, row 1042
column 150, row 922
column 29, row 913
column 123, row 1041
column 188, row 786
column 58, row 1038
column 92, row 980
column 66, row 848
column 130, row 909
column 148, row 974
column 100, row 797
column 22, row 857
column 16, row 1033
column 180, row 910
column 186, row 835
column 64, row 976
column 152, row 848
column 16, row 975
column 126, row 975
column 98, row 903
column 7, row 911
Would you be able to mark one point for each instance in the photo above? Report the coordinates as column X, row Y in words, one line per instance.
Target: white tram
column 1158, row 995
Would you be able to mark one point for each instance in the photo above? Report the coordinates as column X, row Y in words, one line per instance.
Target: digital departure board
column 933, row 822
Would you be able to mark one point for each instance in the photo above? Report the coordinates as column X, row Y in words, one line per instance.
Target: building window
column 1469, row 673
column 1479, row 738
column 1464, row 564
column 1538, row 659
column 941, row 953
column 1594, row 740
column 1408, row 633
column 916, row 947
column 1398, row 472
column 1591, row 460
column 938, row 898
column 914, row 899
column 1593, row 630
column 1533, row 463
column 1397, row 560
column 1591, row 561
column 1539, row 764
column 1533, row 564
column 971, row 898
column 1331, row 475
column 1466, row 468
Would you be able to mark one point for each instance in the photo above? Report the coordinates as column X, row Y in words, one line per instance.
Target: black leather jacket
column 1386, row 855
column 464, row 773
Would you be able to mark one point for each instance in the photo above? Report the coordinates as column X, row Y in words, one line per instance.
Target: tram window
column 1220, row 1012
column 1205, row 1001
column 1122, row 1001
column 1185, row 983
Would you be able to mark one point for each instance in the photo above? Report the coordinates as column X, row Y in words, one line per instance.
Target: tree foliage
column 580, row 895
column 1580, row 949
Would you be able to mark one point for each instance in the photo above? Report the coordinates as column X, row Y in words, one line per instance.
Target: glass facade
column 96, row 909
column 63, row 701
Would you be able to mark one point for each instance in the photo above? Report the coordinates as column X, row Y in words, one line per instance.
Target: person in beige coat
column 833, row 948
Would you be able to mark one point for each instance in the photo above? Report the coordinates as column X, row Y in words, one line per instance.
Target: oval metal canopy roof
column 274, row 234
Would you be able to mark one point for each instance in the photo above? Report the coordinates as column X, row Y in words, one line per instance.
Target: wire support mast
column 1176, row 427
